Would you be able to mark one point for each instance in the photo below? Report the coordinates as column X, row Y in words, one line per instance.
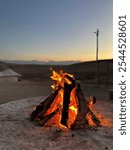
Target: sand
column 10, row 91
column 18, row 132
column 17, row 100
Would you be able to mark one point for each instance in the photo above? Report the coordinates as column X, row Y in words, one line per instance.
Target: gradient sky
column 55, row 29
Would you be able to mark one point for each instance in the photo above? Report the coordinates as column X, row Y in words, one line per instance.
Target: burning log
column 94, row 118
column 43, row 106
column 82, row 108
column 47, row 117
column 66, row 100
column 66, row 106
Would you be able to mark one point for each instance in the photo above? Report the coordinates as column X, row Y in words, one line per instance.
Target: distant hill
column 87, row 70
column 3, row 66
column 82, row 70
column 36, row 62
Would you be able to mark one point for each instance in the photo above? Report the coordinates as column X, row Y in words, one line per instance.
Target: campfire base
column 50, row 112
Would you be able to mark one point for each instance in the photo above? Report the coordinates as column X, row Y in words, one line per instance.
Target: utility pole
column 97, row 67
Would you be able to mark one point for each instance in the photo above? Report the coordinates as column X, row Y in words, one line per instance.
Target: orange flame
column 99, row 116
column 59, row 79
column 74, row 109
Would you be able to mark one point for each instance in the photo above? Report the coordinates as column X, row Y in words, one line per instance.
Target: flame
column 90, row 105
column 58, row 81
column 56, row 76
column 99, row 116
column 90, row 121
column 74, row 109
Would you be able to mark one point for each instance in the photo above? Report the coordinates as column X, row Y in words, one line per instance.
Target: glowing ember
column 90, row 121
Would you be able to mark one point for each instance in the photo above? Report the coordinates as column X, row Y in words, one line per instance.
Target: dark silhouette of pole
column 97, row 67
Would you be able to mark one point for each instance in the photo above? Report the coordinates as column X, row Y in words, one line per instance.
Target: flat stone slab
column 17, row 132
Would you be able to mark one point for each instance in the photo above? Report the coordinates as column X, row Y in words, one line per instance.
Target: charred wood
column 94, row 118
column 47, row 117
column 82, row 108
column 66, row 99
column 43, row 106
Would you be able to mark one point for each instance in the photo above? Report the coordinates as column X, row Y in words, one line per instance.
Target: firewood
column 94, row 118
column 67, row 104
column 47, row 117
column 43, row 106
column 82, row 108
column 66, row 99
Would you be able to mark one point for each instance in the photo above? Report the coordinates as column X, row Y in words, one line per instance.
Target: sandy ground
column 17, row 90
column 18, row 132
column 10, row 91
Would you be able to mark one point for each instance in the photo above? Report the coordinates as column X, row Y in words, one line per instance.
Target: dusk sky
column 55, row 29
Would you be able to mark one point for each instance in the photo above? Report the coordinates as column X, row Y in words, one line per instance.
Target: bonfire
column 67, row 106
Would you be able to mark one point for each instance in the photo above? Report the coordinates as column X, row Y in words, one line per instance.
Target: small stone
column 58, row 129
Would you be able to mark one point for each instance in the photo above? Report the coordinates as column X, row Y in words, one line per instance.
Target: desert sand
column 10, row 91
column 18, row 132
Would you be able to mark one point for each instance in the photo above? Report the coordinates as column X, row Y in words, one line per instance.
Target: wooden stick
column 43, row 106
column 47, row 117
column 82, row 108
column 66, row 99
column 94, row 118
